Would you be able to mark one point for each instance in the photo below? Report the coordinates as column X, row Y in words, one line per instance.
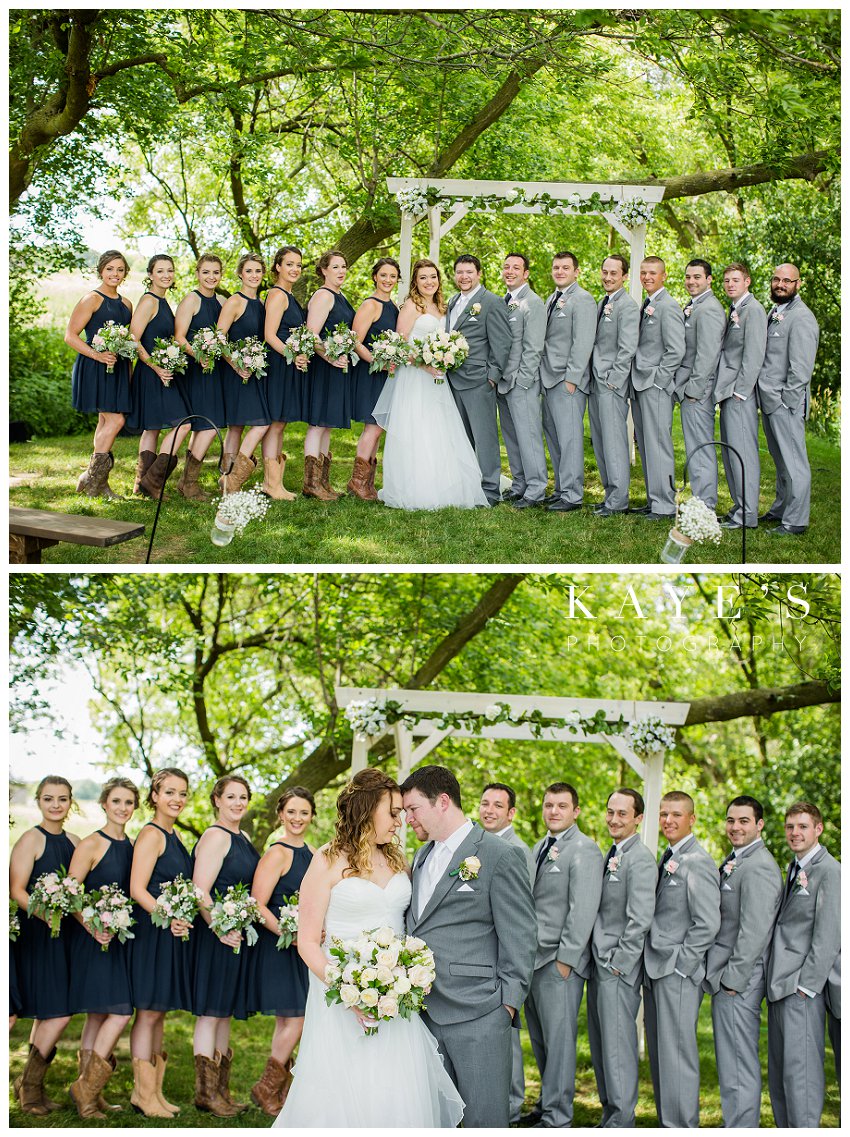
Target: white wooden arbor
column 456, row 193
column 410, row 754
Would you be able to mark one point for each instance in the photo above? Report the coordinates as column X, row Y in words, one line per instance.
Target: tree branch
column 760, row 701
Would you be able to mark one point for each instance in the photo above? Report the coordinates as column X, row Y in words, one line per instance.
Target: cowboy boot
column 83, row 1059
column 29, row 1086
column 94, row 481
column 224, row 1065
column 144, row 1098
column 158, row 474
column 242, row 470
column 269, row 1093
column 160, row 1061
column 85, row 1091
column 373, row 469
column 326, row 477
column 273, row 481
column 188, row 485
column 313, row 480
column 358, row 483
column 207, row 1096
column 144, row 462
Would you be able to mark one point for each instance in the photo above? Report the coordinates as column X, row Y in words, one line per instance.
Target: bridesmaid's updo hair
column 147, row 282
column 325, row 259
column 213, row 258
column 355, row 809
column 222, row 784
column 111, row 255
column 157, row 782
column 378, row 265
column 115, row 784
column 245, row 259
column 295, row 791
column 54, row 780
column 416, row 296
column 281, row 253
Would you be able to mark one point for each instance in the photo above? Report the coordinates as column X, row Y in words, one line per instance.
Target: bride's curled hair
column 355, row 808
column 414, row 293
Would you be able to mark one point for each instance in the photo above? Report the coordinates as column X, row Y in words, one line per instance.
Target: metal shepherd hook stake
column 725, row 446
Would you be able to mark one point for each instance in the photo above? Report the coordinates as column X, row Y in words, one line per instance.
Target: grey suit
column 684, row 926
column 833, row 1013
column 749, row 899
column 741, row 358
column 783, row 395
column 570, row 331
column 608, row 409
column 661, row 347
column 705, row 323
column 517, row 1070
column 806, row 941
column 474, row 384
column 613, row 1000
column 567, row 890
column 482, row 936
column 518, row 396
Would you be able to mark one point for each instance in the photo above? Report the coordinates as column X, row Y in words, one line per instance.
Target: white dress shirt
column 438, row 861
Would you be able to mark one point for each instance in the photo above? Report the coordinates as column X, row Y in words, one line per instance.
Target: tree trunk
column 759, row 701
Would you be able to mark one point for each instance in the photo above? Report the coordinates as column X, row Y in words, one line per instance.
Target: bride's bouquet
column 208, row 346
column 389, row 350
column 179, row 899
column 116, row 338
column 108, row 909
column 442, row 350
column 381, row 974
column 302, row 341
column 340, row 344
column 54, row 895
column 236, row 911
column 169, row 355
column 248, row 355
column 288, row 922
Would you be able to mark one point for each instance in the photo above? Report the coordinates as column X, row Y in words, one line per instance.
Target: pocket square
column 726, row 888
column 673, row 883
column 473, row 319
column 554, row 868
column 465, row 888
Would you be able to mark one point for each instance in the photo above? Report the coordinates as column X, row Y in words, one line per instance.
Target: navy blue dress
column 156, row 406
column 100, row 980
column 286, row 384
column 280, row 977
column 328, row 400
column 160, row 963
column 245, row 403
column 222, row 981
column 91, row 388
column 205, row 393
column 366, row 388
column 42, row 962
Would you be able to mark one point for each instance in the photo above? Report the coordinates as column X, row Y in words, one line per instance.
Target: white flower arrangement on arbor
column 632, row 212
column 650, row 736
column 366, row 717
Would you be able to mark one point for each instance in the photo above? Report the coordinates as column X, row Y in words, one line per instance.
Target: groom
column 482, row 317
column 473, row 907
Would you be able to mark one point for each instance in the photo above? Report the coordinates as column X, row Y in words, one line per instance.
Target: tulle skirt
column 346, row 1079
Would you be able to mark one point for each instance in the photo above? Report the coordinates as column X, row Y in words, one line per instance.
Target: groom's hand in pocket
column 511, row 1010
column 563, row 969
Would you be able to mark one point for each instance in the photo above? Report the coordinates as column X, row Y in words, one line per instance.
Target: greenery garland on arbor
column 636, row 211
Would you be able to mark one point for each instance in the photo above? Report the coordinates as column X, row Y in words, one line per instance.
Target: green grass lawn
column 355, row 532
column 250, row 1041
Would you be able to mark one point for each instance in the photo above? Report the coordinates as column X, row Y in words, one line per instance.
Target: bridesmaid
column 286, row 380
column 100, row 980
column 41, row 962
column 160, row 963
column 243, row 315
column 280, row 976
column 155, row 405
column 201, row 309
column 378, row 313
column 327, row 402
column 223, row 857
column 93, row 390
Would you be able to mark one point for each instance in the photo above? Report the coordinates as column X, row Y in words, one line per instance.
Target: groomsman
column 483, row 320
column 750, row 891
column 567, row 890
column 741, row 358
column 617, row 321
column 518, row 391
column 684, row 926
column 565, row 375
column 806, row 941
column 783, row 394
column 833, row 1013
column 613, row 989
column 660, row 350
column 705, row 323
column 496, row 812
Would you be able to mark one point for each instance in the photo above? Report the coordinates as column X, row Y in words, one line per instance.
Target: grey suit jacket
column 687, row 915
column 570, row 332
column 513, row 839
column 488, row 334
column 661, row 344
column 742, row 353
column 528, row 327
column 481, row 931
column 789, row 357
column 616, row 342
column 704, row 330
column 625, row 911
column 807, row 934
column 749, row 901
column 833, row 989
column 567, row 891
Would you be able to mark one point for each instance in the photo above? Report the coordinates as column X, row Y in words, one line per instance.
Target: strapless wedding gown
column 429, row 461
column 346, row 1079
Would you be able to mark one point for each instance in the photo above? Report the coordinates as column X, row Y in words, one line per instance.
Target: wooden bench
column 31, row 530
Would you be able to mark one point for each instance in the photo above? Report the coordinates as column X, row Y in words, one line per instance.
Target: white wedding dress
column 429, row 461
column 346, row 1079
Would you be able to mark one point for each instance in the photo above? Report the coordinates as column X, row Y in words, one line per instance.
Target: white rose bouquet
column 288, row 922
column 383, row 975
column 208, row 346
column 445, row 351
column 236, row 911
column 54, row 895
column 340, row 344
column 109, row 910
column 116, row 338
column 248, row 355
column 179, row 899
column 169, row 355
column 697, row 522
column 14, row 921
column 366, row 716
column 302, row 341
column 389, row 350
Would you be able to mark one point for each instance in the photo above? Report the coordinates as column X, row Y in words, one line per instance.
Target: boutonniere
column 475, row 309
column 801, row 883
column 730, row 867
column 776, row 317
column 467, row 869
column 671, row 866
column 560, row 303
column 688, row 309
column 608, row 309
column 734, row 317
column 512, row 307
column 614, row 864
column 649, row 310
column 553, row 854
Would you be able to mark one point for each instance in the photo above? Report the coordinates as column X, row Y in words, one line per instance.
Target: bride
column 428, row 459
column 342, row 1077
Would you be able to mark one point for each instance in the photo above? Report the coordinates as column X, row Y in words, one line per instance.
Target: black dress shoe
column 563, row 506
column 511, row 495
column 728, row 523
column 668, row 517
column 526, row 503
column 769, row 517
column 640, row 509
column 606, row 512
column 550, row 498
column 787, row 531
column 528, row 1119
